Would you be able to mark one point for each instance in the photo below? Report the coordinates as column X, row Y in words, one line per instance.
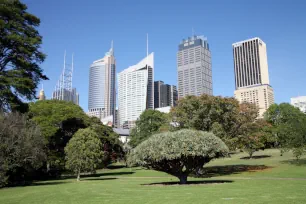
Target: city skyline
column 90, row 38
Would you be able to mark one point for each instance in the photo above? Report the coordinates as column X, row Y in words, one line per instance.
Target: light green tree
column 178, row 153
column 83, row 152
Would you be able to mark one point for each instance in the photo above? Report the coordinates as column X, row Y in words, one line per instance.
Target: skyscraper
column 251, row 74
column 102, row 86
column 63, row 89
column 135, row 91
column 194, row 67
column 164, row 94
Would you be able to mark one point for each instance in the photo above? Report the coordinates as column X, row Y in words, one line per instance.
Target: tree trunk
column 250, row 154
column 183, row 179
column 79, row 172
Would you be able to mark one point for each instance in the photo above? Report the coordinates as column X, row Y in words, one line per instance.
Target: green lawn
column 272, row 179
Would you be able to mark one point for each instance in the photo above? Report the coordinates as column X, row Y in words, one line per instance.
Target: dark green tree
column 149, row 122
column 83, row 152
column 178, row 153
column 20, row 56
column 22, row 149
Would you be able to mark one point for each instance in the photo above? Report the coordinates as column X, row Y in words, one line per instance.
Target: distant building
column 135, row 91
column 124, row 134
column 63, row 89
column 299, row 102
column 164, row 109
column 194, row 67
column 251, row 74
column 164, row 94
column 42, row 96
column 102, row 86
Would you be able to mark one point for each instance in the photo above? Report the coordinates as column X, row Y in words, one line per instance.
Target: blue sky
column 86, row 29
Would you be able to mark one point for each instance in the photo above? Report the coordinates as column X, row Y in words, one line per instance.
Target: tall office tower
column 102, row 86
column 63, row 89
column 299, row 102
column 194, row 67
column 251, row 74
column 135, row 91
column 164, row 95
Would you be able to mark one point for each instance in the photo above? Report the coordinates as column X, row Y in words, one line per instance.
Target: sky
column 86, row 28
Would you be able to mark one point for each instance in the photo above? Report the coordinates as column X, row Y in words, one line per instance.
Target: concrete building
column 164, row 94
column 42, row 95
column 135, row 91
column 66, row 95
column 124, row 134
column 251, row 74
column 299, row 102
column 102, row 86
column 194, row 67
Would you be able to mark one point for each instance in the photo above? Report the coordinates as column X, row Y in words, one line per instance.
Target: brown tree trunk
column 183, row 179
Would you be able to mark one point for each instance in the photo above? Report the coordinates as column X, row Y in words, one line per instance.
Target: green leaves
column 83, row 152
column 177, row 153
column 20, row 55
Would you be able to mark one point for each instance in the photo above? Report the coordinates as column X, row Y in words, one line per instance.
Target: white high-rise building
column 194, row 67
column 135, row 91
column 251, row 74
column 102, row 86
column 299, row 102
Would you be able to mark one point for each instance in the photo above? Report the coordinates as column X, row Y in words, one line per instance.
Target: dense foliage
column 223, row 116
column 22, row 149
column 178, row 153
column 20, row 56
column 149, row 122
column 289, row 127
column 83, row 152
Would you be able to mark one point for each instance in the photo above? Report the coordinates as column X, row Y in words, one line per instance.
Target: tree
column 20, row 56
column 178, row 153
column 149, row 122
column 58, row 121
column 289, row 127
column 22, row 149
column 223, row 116
column 257, row 135
column 83, row 152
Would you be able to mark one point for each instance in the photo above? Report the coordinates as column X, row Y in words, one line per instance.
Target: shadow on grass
column 97, row 179
column 189, row 183
column 213, row 171
column 98, row 175
column 48, row 183
column 256, row 157
column 300, row 162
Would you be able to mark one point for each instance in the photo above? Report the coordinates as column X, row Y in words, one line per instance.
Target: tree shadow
column 189, row 183
column 47, row 183
column 213, row 171
column 116, row 166
column 98, row 174
column 256, row 157
column 97, row 179
column 299, row 162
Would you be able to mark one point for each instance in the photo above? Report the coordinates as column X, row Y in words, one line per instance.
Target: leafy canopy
column 20, row 55
column 22, row 149
column 83, row 152
column 149, row 122
column 178, row 153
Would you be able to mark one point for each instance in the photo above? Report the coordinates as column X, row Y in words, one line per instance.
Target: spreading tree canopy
column 20, row 55
column 178, row 153
column 149, row 122
column 83, row 152
column 22, row 149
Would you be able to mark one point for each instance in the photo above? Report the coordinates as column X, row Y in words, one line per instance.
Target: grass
column 271, row 179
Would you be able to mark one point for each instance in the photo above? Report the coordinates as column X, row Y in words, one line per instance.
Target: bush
column 178, row 153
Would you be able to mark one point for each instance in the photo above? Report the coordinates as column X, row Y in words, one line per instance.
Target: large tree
column 178, row 153
column 20, row 56
column 83, row 152
column 22, row 148
column 221, row 115
column 289, row 127
column 149, row 122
